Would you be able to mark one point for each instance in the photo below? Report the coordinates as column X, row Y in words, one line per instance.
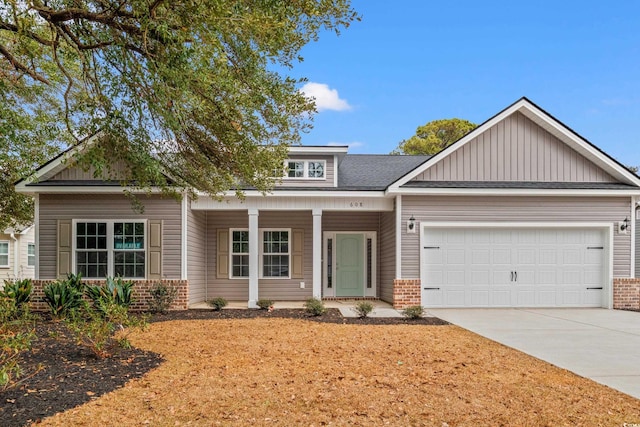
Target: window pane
column 4, row 259
column 91, row 264
column 129, row 263
column 295, row 169
column 240, row 266
column 275, row 266
column 31, row 255
column 316, row 169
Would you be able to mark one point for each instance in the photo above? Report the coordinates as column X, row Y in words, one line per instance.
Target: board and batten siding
column 515, row 149
column 197, row 255
column 387, row 264
column 298, row 182
column 54, row 207
column 76, row 173
column 571, row 210
column 276, row 288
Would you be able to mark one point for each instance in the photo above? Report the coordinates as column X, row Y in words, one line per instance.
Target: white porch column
column 317, row 253
column 254, row 258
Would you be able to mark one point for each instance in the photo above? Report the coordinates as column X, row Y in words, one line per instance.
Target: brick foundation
column 626, row 293
column 141, row 296
column 406, row 293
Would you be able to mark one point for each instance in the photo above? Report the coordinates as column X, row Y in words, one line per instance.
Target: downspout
column 16, row 254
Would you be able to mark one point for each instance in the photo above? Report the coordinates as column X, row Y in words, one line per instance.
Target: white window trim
column 305, row 175
column 7, row 265
column 232, row 253
column 29, row 256
column 110, row 247
column 260, row 253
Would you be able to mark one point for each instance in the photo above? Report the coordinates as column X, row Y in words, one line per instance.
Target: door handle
column 512, row 276
column 516, row 275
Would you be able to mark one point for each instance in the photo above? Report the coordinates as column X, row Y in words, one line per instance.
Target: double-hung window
column 4, row 254
column 305, row 169
column 31, row 255
column 110, row 248
column 275, row 253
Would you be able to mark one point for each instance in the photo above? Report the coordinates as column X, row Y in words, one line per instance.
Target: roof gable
column 522, row 143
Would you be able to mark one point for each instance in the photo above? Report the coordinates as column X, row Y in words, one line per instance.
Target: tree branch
column 21, row 67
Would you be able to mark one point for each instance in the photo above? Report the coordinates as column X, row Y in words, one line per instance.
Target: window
column 106, row 248
column 309, row 169
column 31, row 254
column 275, row 253
column 4, row 254
column 239, row 253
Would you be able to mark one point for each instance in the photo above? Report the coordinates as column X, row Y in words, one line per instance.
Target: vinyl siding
column 7, row 272
column 24, row 240
column 515, row 209
column 197, row 255
column 387, row 242
column 75, row 173
column 276, row 289
column 328, row 173
column 82, row 206
column 636, row 229
column 515, row 149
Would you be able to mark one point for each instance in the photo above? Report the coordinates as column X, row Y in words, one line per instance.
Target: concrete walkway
column 600, row 344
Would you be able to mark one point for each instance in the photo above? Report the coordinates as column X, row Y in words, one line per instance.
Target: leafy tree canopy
column 435, row 136
column 189, row 90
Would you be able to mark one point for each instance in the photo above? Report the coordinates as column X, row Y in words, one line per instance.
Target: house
column 520, row 212
column 17, row 253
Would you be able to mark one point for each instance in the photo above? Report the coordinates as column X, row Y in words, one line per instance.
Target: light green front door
column 349, row 265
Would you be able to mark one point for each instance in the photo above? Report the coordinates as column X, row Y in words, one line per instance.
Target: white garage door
column 477, row 267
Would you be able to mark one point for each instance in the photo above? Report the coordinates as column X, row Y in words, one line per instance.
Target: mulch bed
column 72, row 375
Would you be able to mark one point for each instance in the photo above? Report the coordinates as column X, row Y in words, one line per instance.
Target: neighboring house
column 17, row 253
column 522, row 211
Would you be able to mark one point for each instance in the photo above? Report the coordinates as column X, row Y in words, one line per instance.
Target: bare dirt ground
column 284, row 372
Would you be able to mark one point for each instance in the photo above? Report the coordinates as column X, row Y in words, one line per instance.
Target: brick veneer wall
column 626, row 293
column 406, row 292
column 141, row 296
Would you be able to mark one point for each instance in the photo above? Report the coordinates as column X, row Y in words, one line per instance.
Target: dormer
column 312, row 166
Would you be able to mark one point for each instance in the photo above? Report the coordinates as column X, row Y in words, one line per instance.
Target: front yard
column 270, row 371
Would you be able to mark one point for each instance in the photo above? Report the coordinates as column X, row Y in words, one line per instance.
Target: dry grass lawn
column 288, row 372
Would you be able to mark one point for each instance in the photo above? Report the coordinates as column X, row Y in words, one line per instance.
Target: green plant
column 217, row 303
column 265, row 304
column 413, row 312
column 75, row 281
column 18, row 289
column 17, row 332
column 62, row 298
column 106, row 330
column 162, row 296
column 363, row 308
column 314, row 307
column 113, row 291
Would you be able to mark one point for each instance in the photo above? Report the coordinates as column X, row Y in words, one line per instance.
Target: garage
column 513, row 267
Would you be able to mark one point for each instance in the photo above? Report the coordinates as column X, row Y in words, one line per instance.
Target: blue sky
column 409, row 62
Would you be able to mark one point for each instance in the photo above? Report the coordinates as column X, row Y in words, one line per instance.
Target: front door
column 350, row 265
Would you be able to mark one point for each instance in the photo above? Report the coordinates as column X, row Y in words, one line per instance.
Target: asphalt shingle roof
column 374, row 171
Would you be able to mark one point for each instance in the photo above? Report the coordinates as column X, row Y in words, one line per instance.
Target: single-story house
column 17, row 253
column 520, row 212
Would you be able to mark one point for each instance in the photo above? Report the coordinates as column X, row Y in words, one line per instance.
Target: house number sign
column 356, row 204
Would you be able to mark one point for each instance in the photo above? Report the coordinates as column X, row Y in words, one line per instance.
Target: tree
column 195, row 91
column 435, row 136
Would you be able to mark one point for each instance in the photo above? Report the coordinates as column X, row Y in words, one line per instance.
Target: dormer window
column 306, row 169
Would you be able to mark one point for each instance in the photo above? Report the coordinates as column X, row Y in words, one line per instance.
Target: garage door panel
column 513, row 267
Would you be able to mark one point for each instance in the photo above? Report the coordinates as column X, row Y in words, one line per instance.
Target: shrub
column 114, row 291
column 75, row 281
column 95, row 329
column 62, row 298
column 264, row 304
column 162, row 296
column 18, row 290
column 314, row 307
column 413, row 312
column 217, row 303
column 17, row 331
column 363, row 308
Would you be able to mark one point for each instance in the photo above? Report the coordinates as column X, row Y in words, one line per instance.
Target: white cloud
column 325, row 98
column 354, row 144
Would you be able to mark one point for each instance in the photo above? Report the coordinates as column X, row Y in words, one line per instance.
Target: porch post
column 254, row 256
column 317, row 253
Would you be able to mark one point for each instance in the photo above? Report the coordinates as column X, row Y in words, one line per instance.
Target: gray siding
column 75, row 173
column 521, row 209
column 387, row 242
column 276, row 289
column 81, row 206
column 636, row 229
column 515, row 149
column 328, row 173
column 197, row 255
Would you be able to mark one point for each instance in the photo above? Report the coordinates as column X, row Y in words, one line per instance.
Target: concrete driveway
column 600, row 344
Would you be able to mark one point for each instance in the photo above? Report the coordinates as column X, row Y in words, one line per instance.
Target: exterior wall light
column 411, row 225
